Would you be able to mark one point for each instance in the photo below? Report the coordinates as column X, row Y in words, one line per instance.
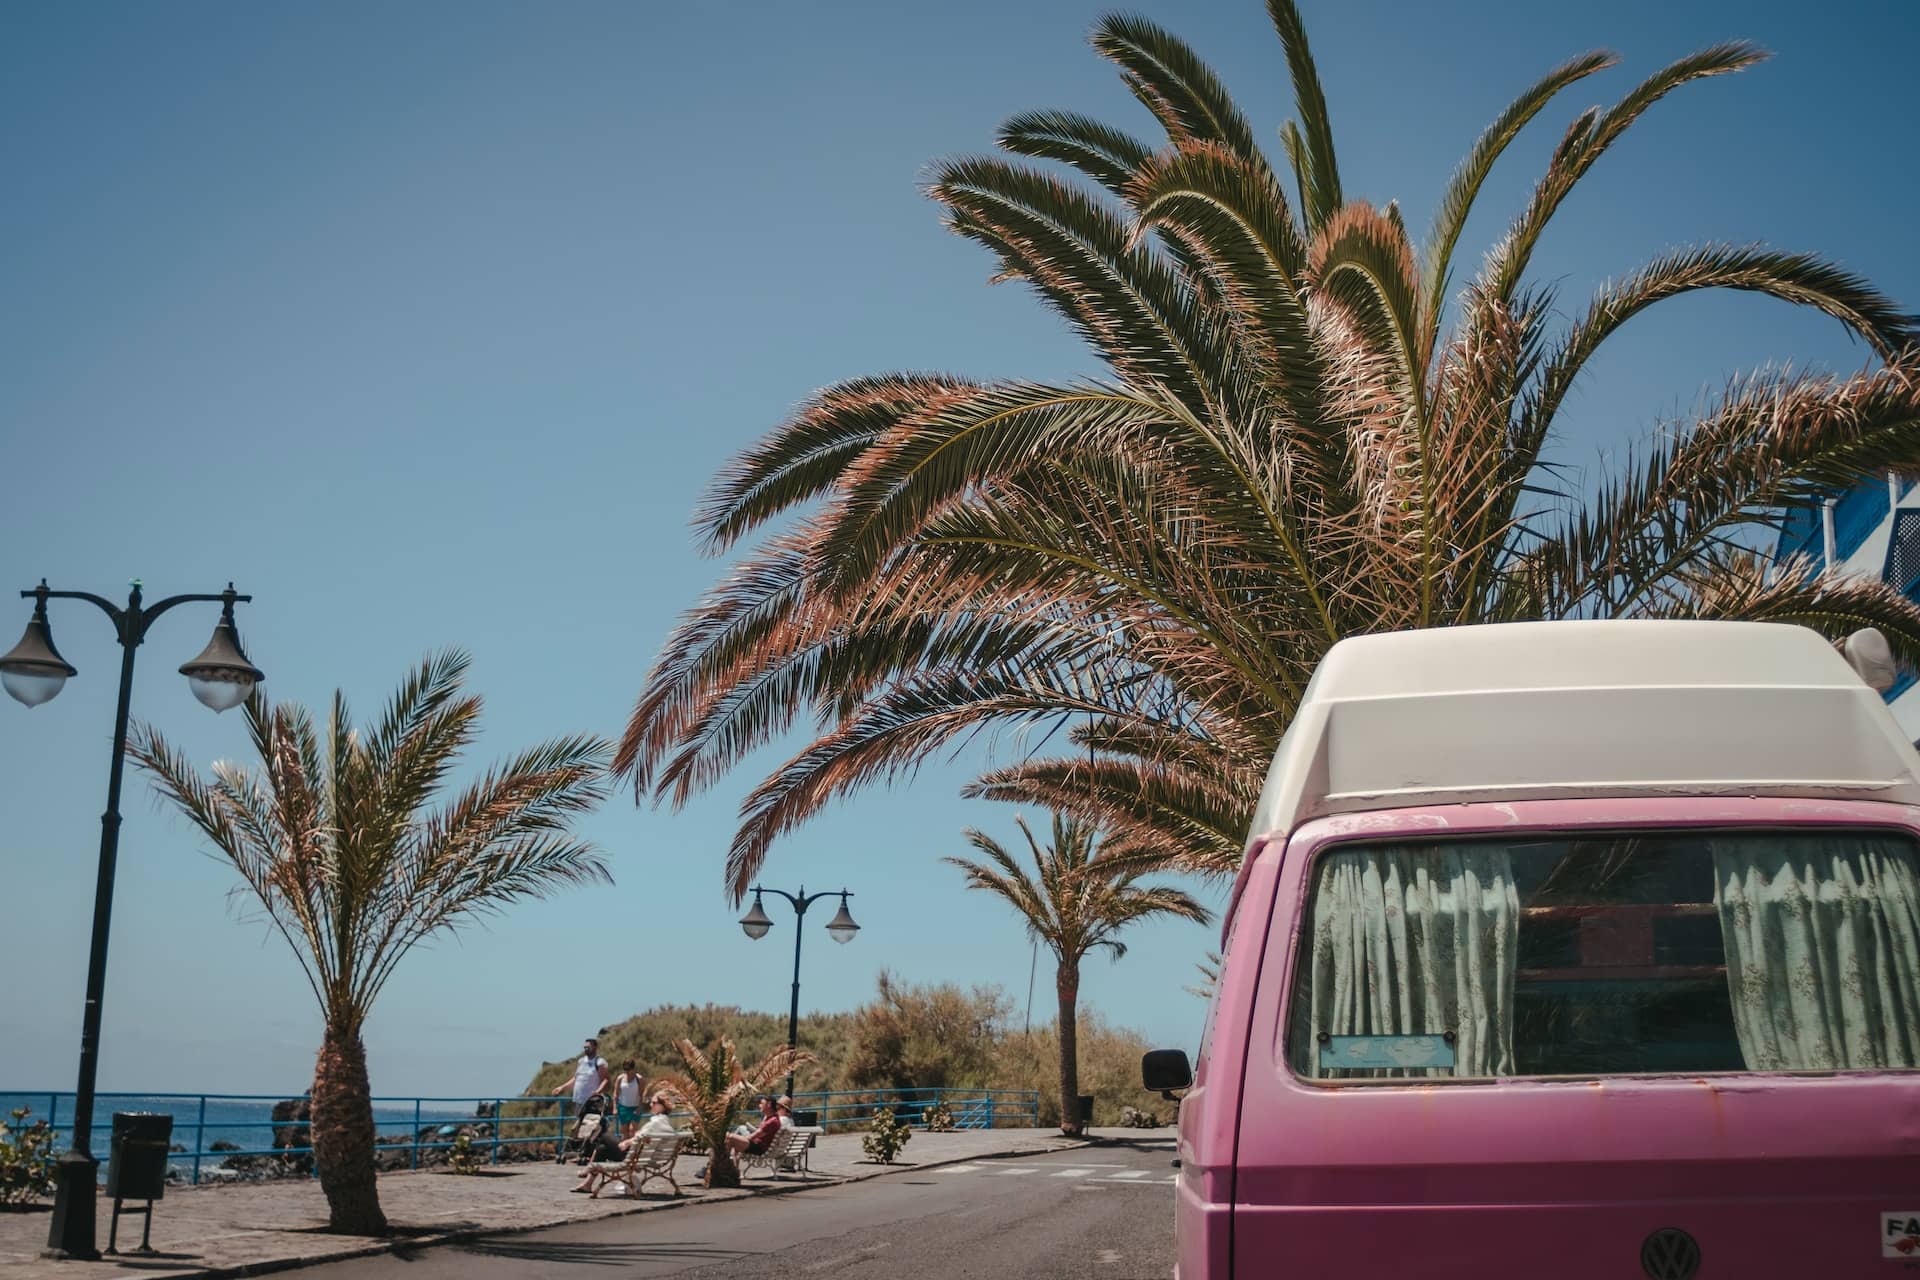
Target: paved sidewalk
column 270, row 1226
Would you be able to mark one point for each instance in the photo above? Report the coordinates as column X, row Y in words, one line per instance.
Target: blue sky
column 427, row 324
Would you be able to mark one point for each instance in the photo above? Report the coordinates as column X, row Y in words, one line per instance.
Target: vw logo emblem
column 1670, row 1254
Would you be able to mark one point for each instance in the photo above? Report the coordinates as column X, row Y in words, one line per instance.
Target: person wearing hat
column 659, row 1125
column 752, row 1142
column 772, row 1120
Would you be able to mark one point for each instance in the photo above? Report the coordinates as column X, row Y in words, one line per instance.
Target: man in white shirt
column 589, row 1075
column 589, row 1078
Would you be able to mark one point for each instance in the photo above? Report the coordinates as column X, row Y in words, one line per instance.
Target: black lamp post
column 756, row 923
column 33, row 672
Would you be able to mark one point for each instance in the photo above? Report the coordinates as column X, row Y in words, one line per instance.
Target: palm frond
column 804, row 458
column 1079, row 254
column 1457, row 202
column 1586, row 141
column 1172, row 82
column 1774, row 441
column 1320, row 186
column 1800, row 278
column 1100, row 151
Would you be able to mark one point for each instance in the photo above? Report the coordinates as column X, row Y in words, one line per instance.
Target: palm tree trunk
column 1067, row 985
column 343, row 1136
column 722, row 1169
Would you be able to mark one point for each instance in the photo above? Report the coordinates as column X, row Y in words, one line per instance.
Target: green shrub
column 461, row 1157
column 937, row 1118
column 926, row 1036
column 883, row 1142
column 26, row 1159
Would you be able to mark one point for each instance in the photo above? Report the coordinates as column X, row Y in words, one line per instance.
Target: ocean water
column 245, row 1122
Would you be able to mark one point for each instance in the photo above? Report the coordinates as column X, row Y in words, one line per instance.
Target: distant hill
column 648, row 1039
column 907, row 1036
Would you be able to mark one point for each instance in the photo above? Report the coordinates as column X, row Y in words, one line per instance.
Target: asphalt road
column 1102, row 1213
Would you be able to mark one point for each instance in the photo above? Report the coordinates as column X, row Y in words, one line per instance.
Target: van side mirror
column 1164, row 1070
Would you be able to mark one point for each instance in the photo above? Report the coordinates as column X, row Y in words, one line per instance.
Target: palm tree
column 1209, row 977
column 711, row 1091
column 1074, row 902
column 332, row 838
column 1306, row 434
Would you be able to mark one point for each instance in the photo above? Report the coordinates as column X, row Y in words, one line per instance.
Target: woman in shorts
column 626, row 1094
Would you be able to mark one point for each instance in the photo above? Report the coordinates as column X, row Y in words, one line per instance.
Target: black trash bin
column 1086, row 1109
column 137, row 1169
column 805, row 1119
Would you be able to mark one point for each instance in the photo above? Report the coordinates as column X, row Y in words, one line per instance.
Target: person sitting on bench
column 658, row 1125
column 771, row 1122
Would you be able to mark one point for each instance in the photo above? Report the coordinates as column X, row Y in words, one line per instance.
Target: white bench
column 646, row 1160
column 787, row 1153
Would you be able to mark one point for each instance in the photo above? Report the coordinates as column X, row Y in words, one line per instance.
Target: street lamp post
column 756, row 923
column 32, row 673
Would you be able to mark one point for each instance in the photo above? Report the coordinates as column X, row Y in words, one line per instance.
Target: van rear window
column 1623, row 954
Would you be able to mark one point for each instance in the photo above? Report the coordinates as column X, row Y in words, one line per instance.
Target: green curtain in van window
column 1413, row 941
column 1823, row 950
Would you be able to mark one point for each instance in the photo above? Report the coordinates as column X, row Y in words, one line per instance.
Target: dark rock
column 221, row 1144
column 290, row 1119
column 266, row 1168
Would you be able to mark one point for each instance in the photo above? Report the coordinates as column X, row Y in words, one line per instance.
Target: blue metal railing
column 421, row 1121
column 433, row 1124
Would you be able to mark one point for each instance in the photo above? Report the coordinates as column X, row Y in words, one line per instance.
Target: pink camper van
column 1568, row 950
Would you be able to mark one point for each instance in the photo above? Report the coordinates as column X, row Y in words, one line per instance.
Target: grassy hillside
column 906, row 1037
column 648, row 1039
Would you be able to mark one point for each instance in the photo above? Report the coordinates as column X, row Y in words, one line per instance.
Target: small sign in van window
column 1386, row 1051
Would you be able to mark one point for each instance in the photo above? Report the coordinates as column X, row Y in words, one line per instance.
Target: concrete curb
column 404, row 1245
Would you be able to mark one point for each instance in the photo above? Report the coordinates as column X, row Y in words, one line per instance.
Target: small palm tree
column 1209, row 976
column 711, row 1091
column 332, row 838
column 1076, row 902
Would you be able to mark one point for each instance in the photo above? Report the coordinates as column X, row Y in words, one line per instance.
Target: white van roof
column 1542, row 710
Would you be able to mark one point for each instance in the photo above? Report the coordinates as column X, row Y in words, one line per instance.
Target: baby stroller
column 587, row 1131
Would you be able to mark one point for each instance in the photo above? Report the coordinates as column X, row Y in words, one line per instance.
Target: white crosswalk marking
column 956, row 1168
column 1134, row 1173
column 1010, row 1173
column 1073, row 1173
